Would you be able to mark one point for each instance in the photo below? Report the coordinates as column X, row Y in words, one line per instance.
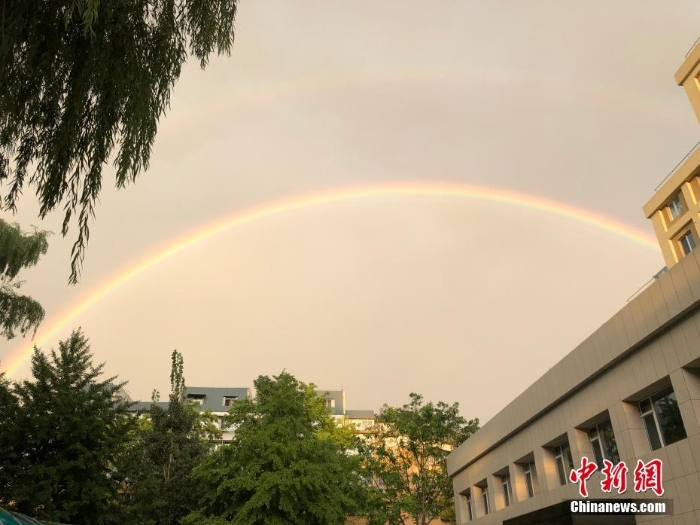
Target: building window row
column 664, row 426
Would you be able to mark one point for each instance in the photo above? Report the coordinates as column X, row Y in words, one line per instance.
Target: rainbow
column 320, row 198
column 252, row 93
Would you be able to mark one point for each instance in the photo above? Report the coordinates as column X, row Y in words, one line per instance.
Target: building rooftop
column 647, row 315
column 208, row 398
column 216, row 399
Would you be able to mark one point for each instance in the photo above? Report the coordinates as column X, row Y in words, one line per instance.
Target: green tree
column 162, row 453
column 285, row 465
column 81, row 77
column 404, row 461
column 9, row 437
column 70, row 427
column 18, row 313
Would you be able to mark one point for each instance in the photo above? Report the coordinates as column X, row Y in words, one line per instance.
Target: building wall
column 688, row 77
column 654, row 341
column 684, row 181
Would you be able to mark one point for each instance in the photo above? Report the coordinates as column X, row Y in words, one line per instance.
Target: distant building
column 629, row 393
column 217, row 400
column 220, row 400
column 362, row 420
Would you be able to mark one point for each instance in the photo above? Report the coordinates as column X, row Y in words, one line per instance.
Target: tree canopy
column 18, row 313
column 68, row 428
column 84, row 81
column 404, row 461
column 161, row 454
column 284, row 465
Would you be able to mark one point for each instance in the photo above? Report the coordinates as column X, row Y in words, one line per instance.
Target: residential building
column 216, row 400
column 362, row 420
column 629, row 393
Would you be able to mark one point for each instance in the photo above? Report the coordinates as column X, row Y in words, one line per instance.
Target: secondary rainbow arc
column 318, row 198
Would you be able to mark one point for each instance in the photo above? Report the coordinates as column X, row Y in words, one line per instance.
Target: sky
column 459, row 299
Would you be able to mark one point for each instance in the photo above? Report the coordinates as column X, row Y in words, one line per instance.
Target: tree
column 162, row 453
column 285, row 464
column 9, row 437
column 404, row 461
column 78, row 78
column 18, row 313
column 70, row 427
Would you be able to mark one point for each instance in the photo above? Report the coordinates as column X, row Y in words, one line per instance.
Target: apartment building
column 334, row 400
column 629, row 393
column 220, row 400
column 217, row 400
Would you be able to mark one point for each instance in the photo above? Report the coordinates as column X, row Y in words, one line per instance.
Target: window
column 675, row 207
column 330, row 403
column 505, row 481
column 470, row 508
column 530, row 478
column 197, row 398
column 602, row 440
column 565, row 463
column 687, row 242
column 230, row 400
column 485, row 497
column 662, row 419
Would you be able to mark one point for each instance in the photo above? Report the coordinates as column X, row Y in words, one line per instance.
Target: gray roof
column 214, row 397
column 145, row 406
column 360, row 414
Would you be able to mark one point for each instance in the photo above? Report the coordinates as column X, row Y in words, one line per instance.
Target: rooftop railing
column 692, row 47
column 646, row 284
column 677, row 165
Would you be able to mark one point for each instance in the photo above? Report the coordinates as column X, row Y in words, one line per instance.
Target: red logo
column 581, row 475
column 648, row 476
column 614, row 476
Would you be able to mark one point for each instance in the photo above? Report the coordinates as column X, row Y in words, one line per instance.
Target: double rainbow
column 314, row 199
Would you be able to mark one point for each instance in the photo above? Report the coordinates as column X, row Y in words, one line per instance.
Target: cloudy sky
column 458, row 299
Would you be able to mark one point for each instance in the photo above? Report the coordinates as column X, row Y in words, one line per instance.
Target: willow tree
column 18, row 313
column 85, row 81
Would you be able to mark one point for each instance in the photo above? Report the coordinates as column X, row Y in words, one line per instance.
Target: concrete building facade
column 629, row 392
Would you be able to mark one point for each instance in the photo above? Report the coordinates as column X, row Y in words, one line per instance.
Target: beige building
column 674, row 209
column 362, row 420
column 629, row 392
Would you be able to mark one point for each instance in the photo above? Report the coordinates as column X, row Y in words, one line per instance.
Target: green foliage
column 9, row 437
column 161, row 455
column 68, row 429
column 19, row 250
column 285, row 465
column 18, row 313
column 78, row 78
column 404, row 461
